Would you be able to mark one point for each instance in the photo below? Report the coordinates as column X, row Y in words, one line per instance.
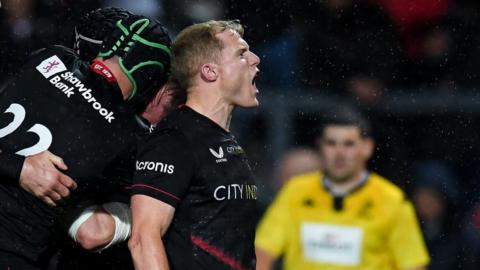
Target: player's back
column 58, row 103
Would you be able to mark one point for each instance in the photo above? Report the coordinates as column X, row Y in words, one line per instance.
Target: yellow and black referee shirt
column 373, row 227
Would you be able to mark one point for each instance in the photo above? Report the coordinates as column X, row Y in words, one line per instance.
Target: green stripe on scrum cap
column 136, row 37
column 152, row 44
column 115, row 46
column 135, row 68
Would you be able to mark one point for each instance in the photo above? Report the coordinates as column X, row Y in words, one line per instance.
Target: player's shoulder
column 179, row 121
column 51, row 60
column 168, row 130
column 385, row 188
column 54, row 51
column 59, row 49
column 170, row 124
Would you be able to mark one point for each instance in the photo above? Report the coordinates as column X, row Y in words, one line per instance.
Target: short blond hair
column 196, row 44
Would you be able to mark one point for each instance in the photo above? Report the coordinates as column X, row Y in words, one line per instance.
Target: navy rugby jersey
column 194, row 165
column 58, row 103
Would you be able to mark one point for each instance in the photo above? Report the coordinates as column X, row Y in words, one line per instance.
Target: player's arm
column 10, row 165
column 108, row 222
column 98, row 227
column 93, row 229
column 151, row 219
column 38, row 174
column 162, row 177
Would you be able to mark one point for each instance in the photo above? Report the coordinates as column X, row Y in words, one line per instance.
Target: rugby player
column 194, row 194
column 58, row 102
column 95, row 228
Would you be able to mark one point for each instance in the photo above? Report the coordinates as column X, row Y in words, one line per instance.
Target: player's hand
column 41, row 177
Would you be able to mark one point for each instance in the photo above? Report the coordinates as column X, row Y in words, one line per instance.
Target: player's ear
column 158, row 97
column 164, row 95
column 209, row 72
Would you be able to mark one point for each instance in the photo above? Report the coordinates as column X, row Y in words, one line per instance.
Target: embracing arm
column 38, row 174
column 94, row 229
column 10, row 165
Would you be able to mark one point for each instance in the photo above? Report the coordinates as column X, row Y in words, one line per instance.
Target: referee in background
column 345, row 217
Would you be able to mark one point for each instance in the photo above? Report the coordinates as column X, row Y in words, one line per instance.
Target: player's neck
column 344, row 187
column 211, row 105
column 123, row 82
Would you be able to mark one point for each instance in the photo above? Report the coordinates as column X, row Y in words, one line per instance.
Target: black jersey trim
column 217, row 253
column 156, row 189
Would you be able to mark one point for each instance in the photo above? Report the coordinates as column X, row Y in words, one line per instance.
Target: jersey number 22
column 42, row 131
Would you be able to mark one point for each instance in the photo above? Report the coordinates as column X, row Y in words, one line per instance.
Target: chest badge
column 218, row 154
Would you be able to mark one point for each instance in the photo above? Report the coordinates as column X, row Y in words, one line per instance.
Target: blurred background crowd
column 409, row 65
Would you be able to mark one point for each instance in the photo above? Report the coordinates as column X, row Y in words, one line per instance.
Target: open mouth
column 254, row 81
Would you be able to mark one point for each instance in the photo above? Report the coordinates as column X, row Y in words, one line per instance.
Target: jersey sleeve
column 10, row 166
column 164, row 167
column 274, row 229
column 406, row 242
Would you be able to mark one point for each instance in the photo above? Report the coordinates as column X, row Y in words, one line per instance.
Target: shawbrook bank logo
column 68, row 84
column 51, row 66
column 154, row 166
